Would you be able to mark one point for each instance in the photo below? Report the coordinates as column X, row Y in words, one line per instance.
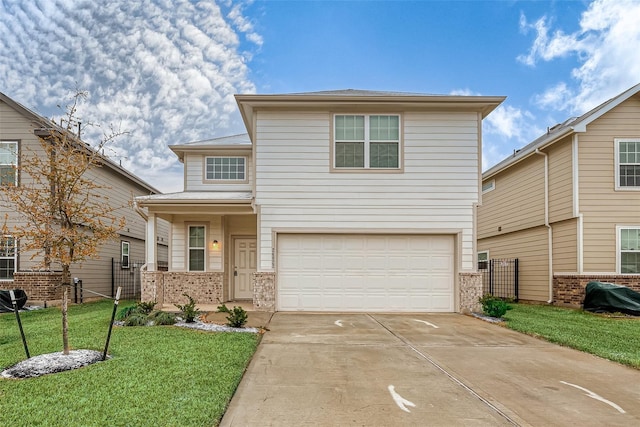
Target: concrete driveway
column 424, row 369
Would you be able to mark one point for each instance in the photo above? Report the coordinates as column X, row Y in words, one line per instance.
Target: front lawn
column 612, row 338
column 158, row 376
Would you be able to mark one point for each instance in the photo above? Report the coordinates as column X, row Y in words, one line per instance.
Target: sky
column 165, row 71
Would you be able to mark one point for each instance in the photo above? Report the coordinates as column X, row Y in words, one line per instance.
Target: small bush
column 237, row 317
column 188, row 311
column 146, row 307
column 494, row 306
column 125, row 312
column 162, row 318
column 136, row 319
column 223, row 309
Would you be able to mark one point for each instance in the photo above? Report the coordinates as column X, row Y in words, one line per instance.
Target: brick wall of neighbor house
column 264, row 291
column 40, row 286
column 470, row 292
column 569, row 289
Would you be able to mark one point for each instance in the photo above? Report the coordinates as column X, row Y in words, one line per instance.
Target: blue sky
column 166, row 71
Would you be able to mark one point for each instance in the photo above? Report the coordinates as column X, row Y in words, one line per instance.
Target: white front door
column 244, row 265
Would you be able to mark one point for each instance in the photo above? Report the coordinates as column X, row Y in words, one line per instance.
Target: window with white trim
column 627, row 163
column 197, row 246
column 225, row 168
column 124, row 254
column 8, row 162
column 630, row 250
column 483, row 260
column 488, row 186
column 366, row 141
column 7, row 257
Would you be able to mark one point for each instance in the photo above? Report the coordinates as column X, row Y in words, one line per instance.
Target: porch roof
column 220, row 202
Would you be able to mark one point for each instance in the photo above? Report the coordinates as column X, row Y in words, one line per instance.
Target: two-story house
column 333, row 201
column 567, row 205
column 18, row 138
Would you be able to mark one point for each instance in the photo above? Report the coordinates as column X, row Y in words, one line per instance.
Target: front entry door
column 244, row 265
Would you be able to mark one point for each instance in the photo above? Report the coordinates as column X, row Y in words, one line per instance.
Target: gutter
column 139, row 210
column 546, row 221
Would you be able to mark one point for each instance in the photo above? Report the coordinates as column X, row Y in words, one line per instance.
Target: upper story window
column 628, row 163
column 367, row 141
column 7, row 257
column 629, row 250
column 8, row 162
column 225, row 168
column 197, row 246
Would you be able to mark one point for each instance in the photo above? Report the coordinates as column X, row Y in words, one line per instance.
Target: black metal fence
column 128, row 278
column 500, row 278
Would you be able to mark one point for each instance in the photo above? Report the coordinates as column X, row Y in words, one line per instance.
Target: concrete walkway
column 424, row 369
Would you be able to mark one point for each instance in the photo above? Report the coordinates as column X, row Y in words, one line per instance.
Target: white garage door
column 335, row 272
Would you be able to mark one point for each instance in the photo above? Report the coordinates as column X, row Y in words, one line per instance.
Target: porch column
column 152, row 253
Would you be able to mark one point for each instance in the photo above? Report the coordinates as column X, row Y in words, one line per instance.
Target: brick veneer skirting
column 568, row 289
column 264, row 291
column 39, row 286
column 168, row 287
column 470, row 292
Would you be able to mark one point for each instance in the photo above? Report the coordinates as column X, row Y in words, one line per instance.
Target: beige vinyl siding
column 517, row 202
column 531, row 248
column 561, row 180
column 195, row 174
column 565, row 246
column 118, row 190
column 436, row 190
column 603, row 207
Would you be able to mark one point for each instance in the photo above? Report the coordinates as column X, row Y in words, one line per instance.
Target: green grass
column 158, row 376
column 616, row 339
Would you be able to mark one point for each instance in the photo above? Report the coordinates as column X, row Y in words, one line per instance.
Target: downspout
column 546, row 221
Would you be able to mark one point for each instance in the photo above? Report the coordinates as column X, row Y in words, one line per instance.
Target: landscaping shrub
column 136, row 319
column 494, row 306
column 237, row 316
column 188, row 311
column 146, row 307
column 125, row 312
column 162, row 318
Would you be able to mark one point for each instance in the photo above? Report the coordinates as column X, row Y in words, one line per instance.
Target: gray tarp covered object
column 5, row 300
column 611, row 298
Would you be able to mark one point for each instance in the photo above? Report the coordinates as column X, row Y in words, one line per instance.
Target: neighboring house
column 334, row 201
column 568, row 205
column 17, row 270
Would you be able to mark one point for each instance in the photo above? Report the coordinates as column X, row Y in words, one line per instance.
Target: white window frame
column 15, row 144
column 478, row 260
column 223, row 179
column 619, row 250
column 5, row 239
column 203, row 248
column 367, row 143
column 619, row 187
column 124, row 244
column 490, row 186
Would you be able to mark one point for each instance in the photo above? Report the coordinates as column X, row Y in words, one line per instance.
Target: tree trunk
column 66, row 283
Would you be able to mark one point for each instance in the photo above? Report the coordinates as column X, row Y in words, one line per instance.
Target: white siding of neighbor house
column 194, row 173
column 436, row 191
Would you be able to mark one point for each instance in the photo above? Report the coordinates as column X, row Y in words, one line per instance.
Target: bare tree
column 65, row 217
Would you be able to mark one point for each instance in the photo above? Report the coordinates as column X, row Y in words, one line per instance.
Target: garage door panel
column 365, row 273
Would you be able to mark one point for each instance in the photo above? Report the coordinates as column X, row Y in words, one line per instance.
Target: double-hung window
column 7, row 257
column 629, row 250
column 366, row 141
column 8, row 162
column 197, row 246
column 627, row 163
column 124, row 254
column 483, row 260
column 225, row 168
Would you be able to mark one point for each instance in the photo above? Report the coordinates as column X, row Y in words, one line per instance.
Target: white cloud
column 165, row 70
column 605, row 47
